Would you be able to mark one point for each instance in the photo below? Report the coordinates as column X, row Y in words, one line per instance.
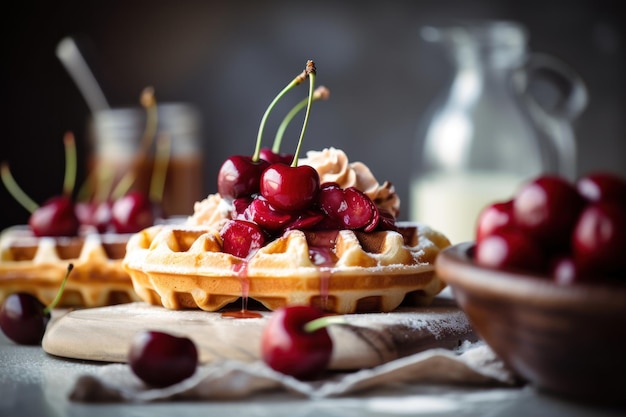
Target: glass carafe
column 506, row 117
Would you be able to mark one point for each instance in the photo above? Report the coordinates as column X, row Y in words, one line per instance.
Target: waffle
column 37, row 265
column 183, row 266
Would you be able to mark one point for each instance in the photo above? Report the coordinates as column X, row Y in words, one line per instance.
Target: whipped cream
column 332, row 165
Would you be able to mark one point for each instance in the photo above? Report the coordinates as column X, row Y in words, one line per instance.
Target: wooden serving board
column 105, row 334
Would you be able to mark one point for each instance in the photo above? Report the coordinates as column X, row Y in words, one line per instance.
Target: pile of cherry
column 270, row 198
column 568, row 231
column 62, row 216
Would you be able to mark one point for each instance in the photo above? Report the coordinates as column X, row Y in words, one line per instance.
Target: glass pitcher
column 506, row 117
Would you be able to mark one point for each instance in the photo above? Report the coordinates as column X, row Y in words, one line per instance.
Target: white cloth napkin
column 470, row 364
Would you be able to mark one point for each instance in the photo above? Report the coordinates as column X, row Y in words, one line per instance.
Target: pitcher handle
column 573, row 96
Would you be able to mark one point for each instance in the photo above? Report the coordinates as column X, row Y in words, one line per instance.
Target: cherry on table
column 24, row 318
column 289, row 347
column 161, row 359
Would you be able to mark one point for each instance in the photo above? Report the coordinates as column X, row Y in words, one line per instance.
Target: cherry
column 262, row 213
column 239, row 176
column 273, row 157
column 56, row 217
column 241, row 237
column 288, row 187
column 24, row 319
column 132, row 213
column 351, row 208
column 599, row 237
column 509, row 249
column 95, row 214
column 293, row 343
column 602, row 186
column 494, row 217
column 547, row 208
column 161, row 359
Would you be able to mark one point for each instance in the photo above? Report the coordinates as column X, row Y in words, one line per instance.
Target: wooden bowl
column 566, row 339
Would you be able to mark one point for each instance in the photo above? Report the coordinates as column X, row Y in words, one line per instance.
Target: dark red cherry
column 290, row 188
column 23, row 318
column 350, row 207
column 272, row 157
column 95, row 214
column 509, row 249
column 496, row 216
column 566, row 271
column 161, row 359
column 241, row 237
column 288, row 347
column 239, row 176
column 547, row 209
column 56, row 217
column 602, row 186
column 262, row 213
column 132, row 212
column 599, row 238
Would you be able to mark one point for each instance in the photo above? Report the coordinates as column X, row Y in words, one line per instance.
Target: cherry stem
column 69, row 181
column 159, row 169
column 295, row 82
column 322, row 322
column 15, row 190
column 56, row 300
column 310, row 70
column 321, row 93
column 148, row 102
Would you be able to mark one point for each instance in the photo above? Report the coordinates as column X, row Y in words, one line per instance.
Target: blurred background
column 229, row 60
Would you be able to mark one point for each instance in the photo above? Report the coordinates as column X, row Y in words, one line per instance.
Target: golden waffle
column 37, row 265
column 184, row 267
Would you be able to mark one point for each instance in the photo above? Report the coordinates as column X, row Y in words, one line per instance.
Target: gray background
column 230, row 59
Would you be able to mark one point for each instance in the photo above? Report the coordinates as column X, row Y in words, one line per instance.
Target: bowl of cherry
column 544, row 284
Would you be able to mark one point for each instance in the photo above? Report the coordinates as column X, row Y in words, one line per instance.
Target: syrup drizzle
column 242, row 273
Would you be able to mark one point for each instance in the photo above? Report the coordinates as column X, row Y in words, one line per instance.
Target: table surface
column 34, row 383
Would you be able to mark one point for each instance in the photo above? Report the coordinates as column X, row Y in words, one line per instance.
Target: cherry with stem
column 24, row 319
column 293, row 187
column 239, row 174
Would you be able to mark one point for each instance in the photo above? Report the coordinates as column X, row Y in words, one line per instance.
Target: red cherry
column 496, row 216
column 132, row 212
column 602, row 186
column 290, row 188
column 161, row 359
column 239, row 176
column 566, row 271
column 96, row 214
column 241, row 237
column 23, row 318
column 272, row 157
column 56, row 217
column 547, row 208
column 262, row 213
column 509, row 249
column 287, row 347
column 599, row 237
